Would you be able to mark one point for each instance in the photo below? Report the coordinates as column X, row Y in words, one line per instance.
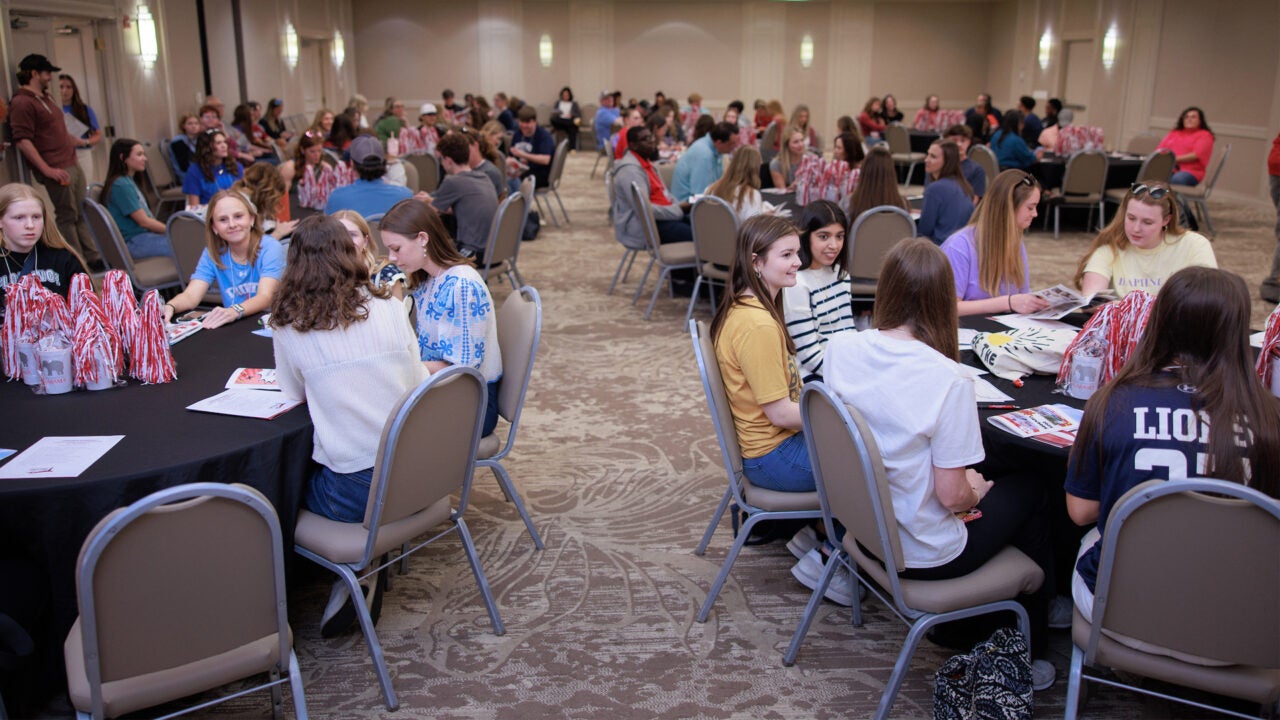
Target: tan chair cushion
column 342, row 542
column 1117, row 194
column 1191, row 191
column 711, row 272
column 155, row 271
column 489, row 446
column 1260, row 685
column 908, row 157
column 125, row 696
column 1089, row 199
column 173, row 193
column 780, row 501
column 1003, row 577
column 862, row 288
column 680, row 253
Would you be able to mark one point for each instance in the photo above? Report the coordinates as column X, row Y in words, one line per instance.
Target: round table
column 45, row 521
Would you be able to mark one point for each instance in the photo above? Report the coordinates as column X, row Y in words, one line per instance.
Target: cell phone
column 191, row 315
column 969, row 515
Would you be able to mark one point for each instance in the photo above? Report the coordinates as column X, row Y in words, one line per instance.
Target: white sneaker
column 839, row 591
column 804, row 541
column 1061, row 610
column 1043, row 674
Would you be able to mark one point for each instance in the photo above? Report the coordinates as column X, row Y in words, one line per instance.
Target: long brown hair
column 217, row 245
column 204, row 154
column 409, row 217
column 742, row 176
column 996, row 234
column 877, row 185
column 262, row 184
column 917, row 290
column 1114, row 236
column 951, row 165
column 369, row 251
column 755, row 237
column 326, row 283
column 50, row 237
column 1198, row 336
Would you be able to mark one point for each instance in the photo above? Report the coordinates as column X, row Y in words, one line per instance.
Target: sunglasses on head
column 1153, row 192
column 1028, row 180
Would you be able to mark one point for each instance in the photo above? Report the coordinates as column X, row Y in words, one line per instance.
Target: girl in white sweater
column 820, row 304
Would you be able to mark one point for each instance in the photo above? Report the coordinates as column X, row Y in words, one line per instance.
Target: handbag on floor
column 991, row 682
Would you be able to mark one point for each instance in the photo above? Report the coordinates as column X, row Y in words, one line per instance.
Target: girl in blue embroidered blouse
column 457, row 322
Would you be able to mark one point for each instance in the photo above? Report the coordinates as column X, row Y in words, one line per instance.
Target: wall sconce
column 1046, row 49
column 806, row 51
column 290, row 45
column 545, row 50
column 1109, row 42
column 339, row 49
column 148, row 46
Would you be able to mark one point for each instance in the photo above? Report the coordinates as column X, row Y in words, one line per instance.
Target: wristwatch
column 239, row 310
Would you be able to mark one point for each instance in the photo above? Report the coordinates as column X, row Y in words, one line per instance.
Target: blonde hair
column 996, row 234
column 367, row 252
column 742, row 176
column 50, row 237
column 216, row 245
column 784, row 151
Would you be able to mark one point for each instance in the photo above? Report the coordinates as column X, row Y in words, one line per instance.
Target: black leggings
column 569, row 127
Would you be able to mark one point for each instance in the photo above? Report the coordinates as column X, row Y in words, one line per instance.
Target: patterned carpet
column 620, row 468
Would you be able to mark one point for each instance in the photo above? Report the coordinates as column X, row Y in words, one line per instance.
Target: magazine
column 253, row 379
column 246, row 403
column 181, row 330
column 1052, row 424
column 1063, row 301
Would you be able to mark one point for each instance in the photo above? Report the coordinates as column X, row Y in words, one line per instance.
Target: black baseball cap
column 37, row 63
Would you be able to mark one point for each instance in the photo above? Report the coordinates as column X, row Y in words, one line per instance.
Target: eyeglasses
column 1154, row 192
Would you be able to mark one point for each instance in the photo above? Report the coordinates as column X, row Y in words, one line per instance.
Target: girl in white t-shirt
column 905, row 379
column 820, row 304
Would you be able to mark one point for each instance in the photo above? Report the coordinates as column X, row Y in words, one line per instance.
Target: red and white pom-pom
column 1118, row 324
column 149, row 357
column 55, row 318
column 1270, row 346
column 92, row 354
column 20, row 320
column 121, row 308
column 80, row 284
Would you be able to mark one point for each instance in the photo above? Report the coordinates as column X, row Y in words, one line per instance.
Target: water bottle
column 1086, row 369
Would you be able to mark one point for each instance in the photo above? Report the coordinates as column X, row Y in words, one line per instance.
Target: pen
column 1002, row 407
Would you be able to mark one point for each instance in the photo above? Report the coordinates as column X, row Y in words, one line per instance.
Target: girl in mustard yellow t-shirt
column 1142, row 246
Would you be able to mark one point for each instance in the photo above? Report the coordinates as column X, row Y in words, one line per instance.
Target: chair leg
column 295, row 687
column 544, row 206
column 481, row 580
column 900, row 667
column 628, row 255
column 653, row 299
column 561, row 204
column 1075, row 679
column 715, row 522
column 371, row 637
column 734, row 549
column 277, row 695
column 811, row 610
column 693, row 299
column 404, row 561
column 1057, row 216
column 644, row 279
column 509, row 489
column 627, row 273
column 1203, row 210
column 596, row 165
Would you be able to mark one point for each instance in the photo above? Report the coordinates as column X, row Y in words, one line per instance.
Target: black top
column 54, row 267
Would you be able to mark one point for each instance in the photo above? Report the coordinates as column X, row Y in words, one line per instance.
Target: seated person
column 740, row 184
column 637, row 167
column 369, row 195
column 948, row 197
column 1191, row 142
column 1031, row 124
column 1194, row 366
column 701, row 164
column 1010, row 149
column 1143, row 245
column 143, row 234
column 245, row 264
column 533, row 146
column 973, row 173
column 213, row 168
column 988, row 258
column 456, row 319
column 904, row 377
column 467, row 194
column 782, row 168
column 819, row 306
column 24, row 232
column 877, row 185
column 182, row 147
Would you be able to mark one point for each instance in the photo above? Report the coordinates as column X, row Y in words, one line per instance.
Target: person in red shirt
column 870, row 121
column 1271, row 286
column 633, row 118
column 1191, row 141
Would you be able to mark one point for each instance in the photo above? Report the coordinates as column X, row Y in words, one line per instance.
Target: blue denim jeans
column 1182, row 177
column 149, row 244
column 339, row 496
column 786, row 468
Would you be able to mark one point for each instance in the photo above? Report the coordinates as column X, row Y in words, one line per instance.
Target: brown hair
column 326, row 283
column 263, row 185
column 367, row 252
column 217, row 245
column 996, row 234
column 785, row 161
column 1114, row 236
column 204, row 154
column 756, row 236
column 1198, row 336
column 409, row 217
column 917, row 290
column 951, row 165
column 742, row 175
column 50, row 237
column 877, row 185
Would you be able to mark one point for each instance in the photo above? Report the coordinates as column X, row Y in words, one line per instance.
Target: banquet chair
column 428, row 171
column 411, row 179
column 503, row 244
column 854, row 490
column 873, row 233
column 181, row 592
column 374, row 222
column 668, row 257
column 1198, row 195
column 629, row 253
column 715, row 240
column 150, row 273
column 553, row 184
column 606, row 154
column 94, row 192
column 1222, row 635
column 900, row 148
column 159, row 174
column 439, row 422
column 983, row 155
column 757, row 503
column 1143, row 144
column 1083, row 185
column 1156, row 167
column 186, row 233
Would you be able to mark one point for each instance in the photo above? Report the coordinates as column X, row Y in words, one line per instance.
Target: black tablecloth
column 46, row 521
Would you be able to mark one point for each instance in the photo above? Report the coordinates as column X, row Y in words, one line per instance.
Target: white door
column 1077, row 82
column 312, row 68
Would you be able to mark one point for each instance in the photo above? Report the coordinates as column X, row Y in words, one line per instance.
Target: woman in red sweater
column 1191, row 142
column 870, row 122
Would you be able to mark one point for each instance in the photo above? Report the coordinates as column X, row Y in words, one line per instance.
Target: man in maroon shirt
column 38, row 130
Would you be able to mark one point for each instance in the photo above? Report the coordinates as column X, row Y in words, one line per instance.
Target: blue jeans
column 671, row 231
column 786, row 468
column 1182, row 177
column 149, row 244
column 339, row 496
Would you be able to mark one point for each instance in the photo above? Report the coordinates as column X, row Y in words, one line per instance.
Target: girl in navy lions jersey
column 1187, row 404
